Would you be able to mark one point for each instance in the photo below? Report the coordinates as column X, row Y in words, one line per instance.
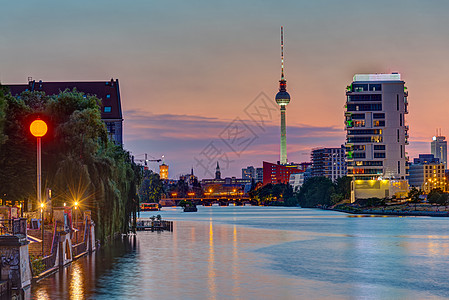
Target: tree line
column 316, row 191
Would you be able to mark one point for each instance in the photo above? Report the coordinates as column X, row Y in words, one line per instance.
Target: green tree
column 316, row 191
column 434, row 196
column 274, row 194
column 343, row 187
column 151, row 188
column 182, row 188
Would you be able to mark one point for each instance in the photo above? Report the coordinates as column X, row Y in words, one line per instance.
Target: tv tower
column 282, row 99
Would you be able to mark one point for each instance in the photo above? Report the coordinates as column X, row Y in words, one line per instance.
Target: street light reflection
column 77, row 283
column 211, row 265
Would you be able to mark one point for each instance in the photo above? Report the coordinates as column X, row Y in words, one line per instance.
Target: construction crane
column 146, row 160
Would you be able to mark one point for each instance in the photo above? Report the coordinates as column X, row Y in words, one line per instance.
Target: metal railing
column 13, row 226
column 49, row 261
column 79, row 249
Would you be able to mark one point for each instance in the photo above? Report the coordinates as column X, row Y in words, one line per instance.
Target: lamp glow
column 38, row 128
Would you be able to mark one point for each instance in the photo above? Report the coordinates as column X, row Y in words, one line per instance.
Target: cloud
column 184, row 139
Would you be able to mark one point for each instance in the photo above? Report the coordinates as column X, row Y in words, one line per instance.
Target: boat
column 190, row 208
column 149, row 207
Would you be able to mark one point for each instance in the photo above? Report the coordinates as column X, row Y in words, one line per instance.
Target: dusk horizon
column 206, row 63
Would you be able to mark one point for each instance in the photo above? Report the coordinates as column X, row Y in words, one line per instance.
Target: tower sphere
column 282, row 98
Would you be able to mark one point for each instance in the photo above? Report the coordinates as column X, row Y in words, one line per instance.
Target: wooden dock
column 154, row 225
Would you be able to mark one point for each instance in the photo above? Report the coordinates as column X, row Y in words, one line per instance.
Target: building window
column 364, row 107
column 358, row 116
column 397, row 102
column 379, row 154
column 399, row 167
column 375, row 87
column 359, row 155
column 369, row 97
column 110, row 127
column 108, row 96
column 379, row 116
column 400, row 119
column 401, row 151
column 379, row 147
column 398, row 135
column 379, row 123
column 107, row 109
column 359, row 87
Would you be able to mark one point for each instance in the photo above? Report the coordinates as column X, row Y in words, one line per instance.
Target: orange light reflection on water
column 211, row 275
column 76, row 289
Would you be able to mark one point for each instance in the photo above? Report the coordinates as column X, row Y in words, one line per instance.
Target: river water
column 265, row 253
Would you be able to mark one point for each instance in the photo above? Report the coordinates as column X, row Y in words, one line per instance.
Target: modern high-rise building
column 329, row 162
column 438, row 147
column 376, row 135
column 282, row 99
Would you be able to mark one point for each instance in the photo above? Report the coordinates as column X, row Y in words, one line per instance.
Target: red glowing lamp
column 38, row 128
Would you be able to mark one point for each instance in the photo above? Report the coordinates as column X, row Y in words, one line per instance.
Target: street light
column 38, row 128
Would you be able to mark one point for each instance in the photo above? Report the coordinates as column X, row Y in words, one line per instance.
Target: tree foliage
column 316, row 191
column 150, row 190
column 437, row 196
column 274, row 194
column 79, row 162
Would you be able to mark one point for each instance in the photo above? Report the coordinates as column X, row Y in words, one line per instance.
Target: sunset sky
column 190, row 70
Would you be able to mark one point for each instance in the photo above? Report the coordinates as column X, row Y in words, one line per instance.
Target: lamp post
column 42, row 226
column 39, row 128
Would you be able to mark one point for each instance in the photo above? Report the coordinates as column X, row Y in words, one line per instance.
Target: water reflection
column 211, row 264
column 260, row 253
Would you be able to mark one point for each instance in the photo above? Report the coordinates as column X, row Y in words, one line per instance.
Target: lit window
column 108, row 96
column 107, row 109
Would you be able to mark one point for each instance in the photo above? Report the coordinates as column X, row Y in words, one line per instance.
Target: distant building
column 249, row 173
column 296, row 180
column 259, row 175
column 163, row 171
column 223, row 187
column 107, row 91
column 425, row 159
column 217, row 172
column 376, row 135
column 427, row 173
column 438, row 147
column 329, row 162
column 277, row 173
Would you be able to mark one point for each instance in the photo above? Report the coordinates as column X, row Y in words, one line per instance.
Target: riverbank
column 419, row 210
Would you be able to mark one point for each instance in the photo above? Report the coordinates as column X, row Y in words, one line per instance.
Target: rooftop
column 377, row 77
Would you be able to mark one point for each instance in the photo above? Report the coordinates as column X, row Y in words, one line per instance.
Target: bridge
column 208, row 201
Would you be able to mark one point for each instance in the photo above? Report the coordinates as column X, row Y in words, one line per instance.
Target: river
column 265, row 253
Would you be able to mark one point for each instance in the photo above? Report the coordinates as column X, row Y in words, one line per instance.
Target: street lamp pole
column 42, row 227
column 39, row 128
column 39, row 170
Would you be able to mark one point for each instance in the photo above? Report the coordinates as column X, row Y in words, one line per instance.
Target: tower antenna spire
column 282, row 52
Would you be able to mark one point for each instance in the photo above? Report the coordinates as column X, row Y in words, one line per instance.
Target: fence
column 79, row 249
column 13, row 226
column 49, row 261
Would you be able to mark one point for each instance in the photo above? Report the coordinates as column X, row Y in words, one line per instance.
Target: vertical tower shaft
column 283, row 137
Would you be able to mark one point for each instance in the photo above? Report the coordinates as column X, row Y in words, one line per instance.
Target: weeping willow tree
column 79, row 162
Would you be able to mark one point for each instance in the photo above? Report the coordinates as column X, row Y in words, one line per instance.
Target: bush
column 37, row 265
